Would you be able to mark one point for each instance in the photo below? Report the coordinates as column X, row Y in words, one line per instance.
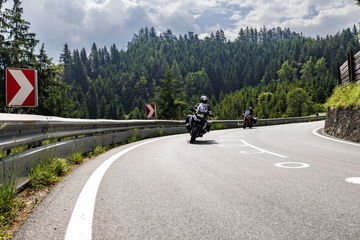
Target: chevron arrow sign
column 21, row 88
column 150, row 110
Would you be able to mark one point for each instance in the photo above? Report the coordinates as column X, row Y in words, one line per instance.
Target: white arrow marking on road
column 151, row 111
column 25, row 88
column 262, row 150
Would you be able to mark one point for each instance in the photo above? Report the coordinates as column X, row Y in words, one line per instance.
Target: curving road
column 277, row 182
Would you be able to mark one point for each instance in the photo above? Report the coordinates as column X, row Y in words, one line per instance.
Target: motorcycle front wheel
column 194, row 133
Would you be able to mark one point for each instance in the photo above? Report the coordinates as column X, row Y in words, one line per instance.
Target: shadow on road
column 205, row 142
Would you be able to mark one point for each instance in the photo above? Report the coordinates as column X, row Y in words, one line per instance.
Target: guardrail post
column 351, row 66
column 339, row 74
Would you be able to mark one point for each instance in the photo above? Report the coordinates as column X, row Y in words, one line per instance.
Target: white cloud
column 82, row 22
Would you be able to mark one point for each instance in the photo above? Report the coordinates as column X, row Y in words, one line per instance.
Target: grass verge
column 345, row 96
column 9, row 208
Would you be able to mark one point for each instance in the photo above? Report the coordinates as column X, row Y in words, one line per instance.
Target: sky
column 82, row 22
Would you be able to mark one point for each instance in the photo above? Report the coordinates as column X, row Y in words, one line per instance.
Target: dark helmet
column 203, row 99
column 250, row 108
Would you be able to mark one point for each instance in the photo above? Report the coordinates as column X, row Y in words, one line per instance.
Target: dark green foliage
column 169, row 99
column 7, row 196
column 289, row 95
column 76, row 158
column 136, row 114
column 111, row 83
column 298, row 103
column 126, row 80
column 42, row 175
column 17, row 50
column 59, row 166
column 98, row 150
column 47, row 173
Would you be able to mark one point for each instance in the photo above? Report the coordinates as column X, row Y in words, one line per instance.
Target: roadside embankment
column 343, row 123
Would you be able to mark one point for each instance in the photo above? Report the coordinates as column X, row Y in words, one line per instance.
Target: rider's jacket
column 202, row 107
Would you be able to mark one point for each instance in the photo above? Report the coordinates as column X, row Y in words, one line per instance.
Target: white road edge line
column 329, row 138
column 80, row 225
column 263, row 150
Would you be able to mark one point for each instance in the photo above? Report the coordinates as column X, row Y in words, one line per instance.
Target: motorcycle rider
column 250, row 113
column 201, row 107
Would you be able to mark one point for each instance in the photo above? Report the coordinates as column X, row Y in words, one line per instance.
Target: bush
column 98, row 150
column 42, row 175
column 133, row 138
column 345, row 97
column 59, row 166
column 47, row 173
column 76, row 158
column 7, row 198
column 8, row 209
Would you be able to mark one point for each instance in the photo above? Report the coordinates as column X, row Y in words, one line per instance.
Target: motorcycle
column 248, row 122
column 198, row 124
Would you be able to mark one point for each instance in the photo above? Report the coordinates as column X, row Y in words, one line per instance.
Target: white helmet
column 203, row 99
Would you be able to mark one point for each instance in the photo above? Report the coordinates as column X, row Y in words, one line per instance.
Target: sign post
column 150, row 110
column 21, row 88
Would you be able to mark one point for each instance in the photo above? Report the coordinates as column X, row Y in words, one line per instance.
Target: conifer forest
column 277, row 71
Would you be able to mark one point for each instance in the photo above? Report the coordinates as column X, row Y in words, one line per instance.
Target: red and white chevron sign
column 21, row 88
column 150, row 110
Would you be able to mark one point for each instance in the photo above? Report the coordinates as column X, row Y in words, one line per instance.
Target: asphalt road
column 277, row 182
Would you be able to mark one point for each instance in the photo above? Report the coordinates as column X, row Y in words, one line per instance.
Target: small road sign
column 150, row 110
column 21, row 88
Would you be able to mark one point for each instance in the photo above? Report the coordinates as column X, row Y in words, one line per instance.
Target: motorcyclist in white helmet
column 201, row 107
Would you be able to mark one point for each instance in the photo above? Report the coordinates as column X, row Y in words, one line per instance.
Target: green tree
column 92, row 103
column 264, row 106
column 94, row 62
column 286, row 72
column 136, row 114
column 66, row 60
column 197, row 84
column 298, row 103
column 169, row 99
column 17, row 44
column 78, row 72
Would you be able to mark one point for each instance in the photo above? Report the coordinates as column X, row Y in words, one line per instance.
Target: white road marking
column 297, row 165
column 355, row 180
column 231, row 145
column 263, row 150
column 80, row 225
column 336, row 140
column 251, row 152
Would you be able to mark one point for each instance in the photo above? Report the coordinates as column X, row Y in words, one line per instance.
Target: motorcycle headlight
column 200, row 115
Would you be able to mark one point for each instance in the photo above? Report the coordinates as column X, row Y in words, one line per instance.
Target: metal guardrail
column 82, row 135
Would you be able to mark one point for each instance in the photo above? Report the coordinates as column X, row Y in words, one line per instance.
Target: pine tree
column 17, row 44
column 169, row 100
column 92, row 103
column 66, row 60
column 20, row 41
column 94, row 62
column 78, row 72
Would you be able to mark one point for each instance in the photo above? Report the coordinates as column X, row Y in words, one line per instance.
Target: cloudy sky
column 82, row 22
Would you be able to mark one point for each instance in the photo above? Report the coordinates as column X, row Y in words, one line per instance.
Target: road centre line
column 315, row 131
column 263, row 150
column 80, row 225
